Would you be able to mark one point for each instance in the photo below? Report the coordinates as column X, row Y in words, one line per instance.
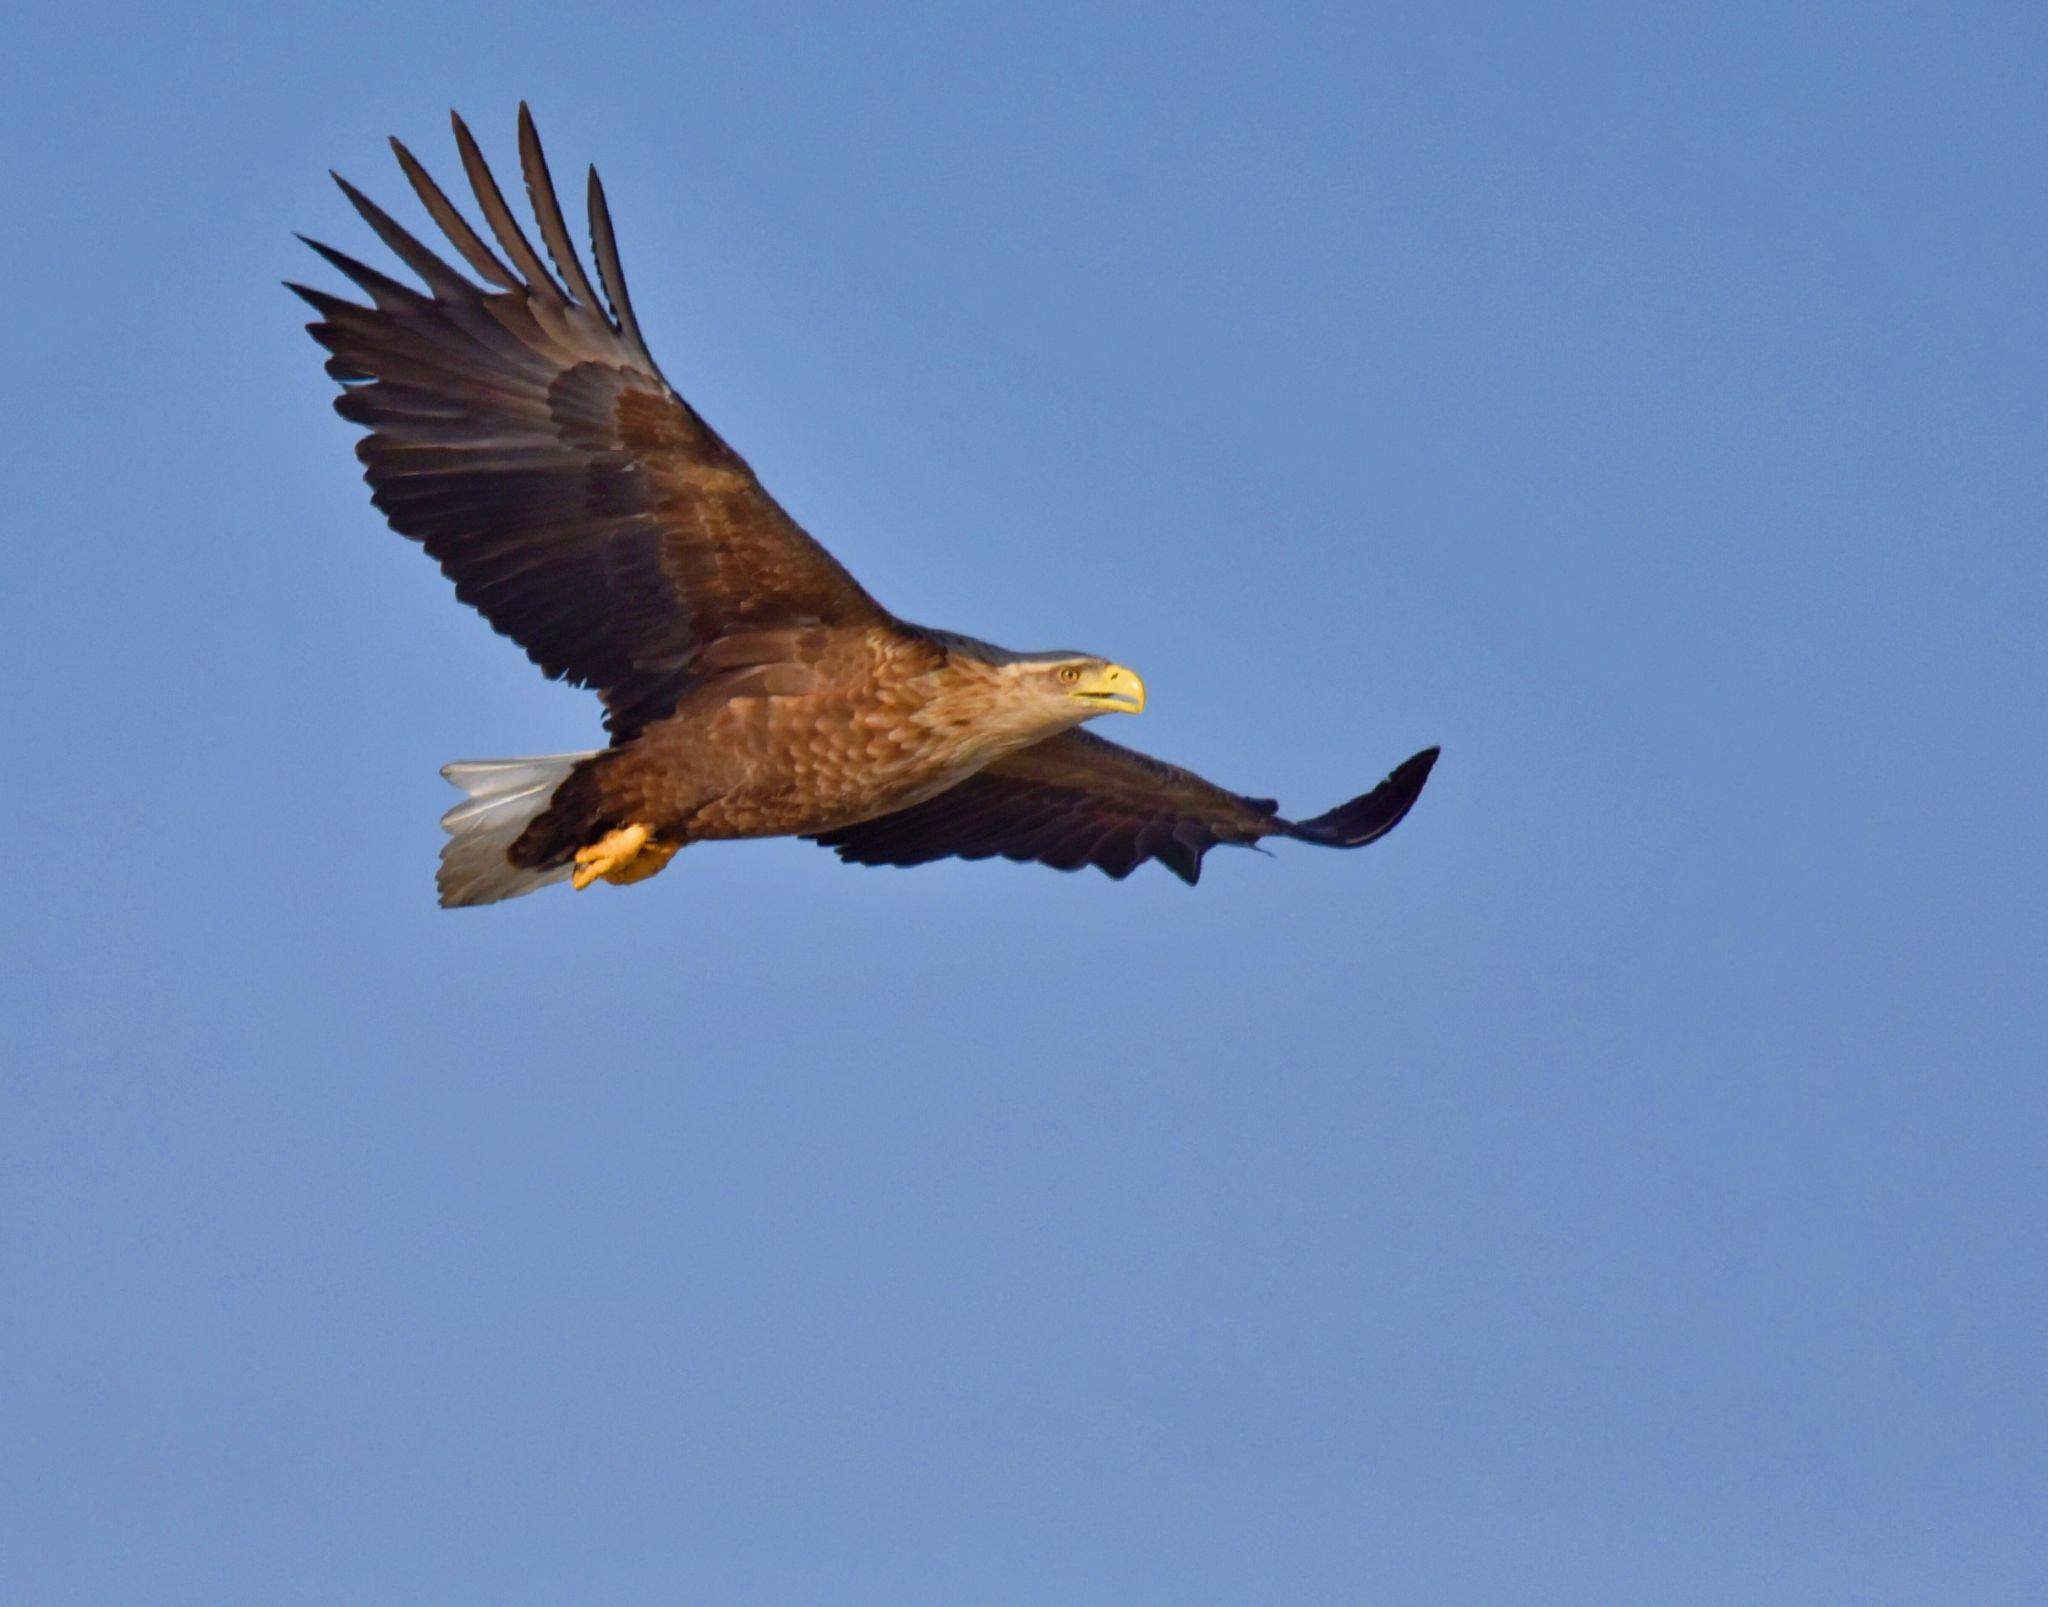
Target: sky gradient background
column 1625, row 1183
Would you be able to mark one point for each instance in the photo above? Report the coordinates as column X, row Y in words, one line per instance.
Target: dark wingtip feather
column 437, row 275
column 604, row 246
column 491, row 200
column 1184, row 859
column 1368, row 818
column 316, row 299
column 385, row 291
column 451, row 222
column 547, row 211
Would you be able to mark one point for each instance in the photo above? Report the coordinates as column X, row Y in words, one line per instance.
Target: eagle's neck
column 973, row 712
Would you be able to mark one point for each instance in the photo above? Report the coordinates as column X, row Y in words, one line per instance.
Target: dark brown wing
column 526, row 438
column 1077, row 800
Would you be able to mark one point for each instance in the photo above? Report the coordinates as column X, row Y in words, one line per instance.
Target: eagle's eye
column 1069, row 674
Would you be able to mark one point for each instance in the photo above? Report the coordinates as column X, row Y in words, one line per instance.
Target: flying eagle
column 520, row 431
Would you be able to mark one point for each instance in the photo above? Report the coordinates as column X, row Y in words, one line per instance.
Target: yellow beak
column 1110, row 690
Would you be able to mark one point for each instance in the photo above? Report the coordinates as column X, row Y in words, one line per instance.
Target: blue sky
column 1624, row 1183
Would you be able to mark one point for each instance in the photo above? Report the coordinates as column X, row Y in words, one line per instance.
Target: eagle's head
column 1081, row 686
column 1005, row 697
column 1048, row 692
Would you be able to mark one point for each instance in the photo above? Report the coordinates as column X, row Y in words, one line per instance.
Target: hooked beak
column 1110, row 690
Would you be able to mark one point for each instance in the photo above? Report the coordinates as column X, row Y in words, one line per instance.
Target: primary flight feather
column 519, row 430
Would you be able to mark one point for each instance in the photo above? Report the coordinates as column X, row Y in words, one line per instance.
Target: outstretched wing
column 525, row 437
column 1077, row 800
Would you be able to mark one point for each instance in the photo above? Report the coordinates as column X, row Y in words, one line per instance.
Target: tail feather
column 505, row 795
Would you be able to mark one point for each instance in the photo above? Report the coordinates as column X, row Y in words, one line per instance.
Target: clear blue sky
column 1625, row 1183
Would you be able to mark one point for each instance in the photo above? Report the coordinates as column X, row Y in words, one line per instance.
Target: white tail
column 504, row 797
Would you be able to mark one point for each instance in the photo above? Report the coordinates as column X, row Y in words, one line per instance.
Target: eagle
column 519, row 429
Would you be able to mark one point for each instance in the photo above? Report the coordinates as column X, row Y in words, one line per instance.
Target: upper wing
column 1077, row 800
column 529, row 442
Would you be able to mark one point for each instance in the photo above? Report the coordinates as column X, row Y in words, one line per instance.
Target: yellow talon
column 650, row 861
column 622, row 856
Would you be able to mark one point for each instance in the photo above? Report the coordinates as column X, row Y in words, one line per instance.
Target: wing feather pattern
column 1077, row 799
column 524, row 436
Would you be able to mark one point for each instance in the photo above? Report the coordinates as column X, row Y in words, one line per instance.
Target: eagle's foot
column 623, row 856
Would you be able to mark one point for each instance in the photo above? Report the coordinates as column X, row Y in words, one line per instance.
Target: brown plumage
column 522, row 433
